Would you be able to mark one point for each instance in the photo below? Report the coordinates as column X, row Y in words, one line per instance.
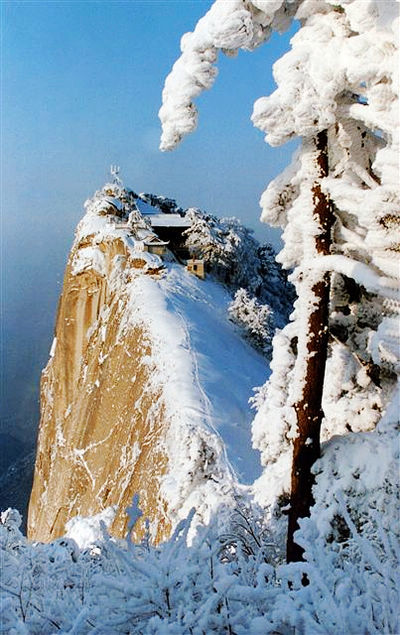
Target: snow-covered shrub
column 249, row 535
column 352, row 552
column 233, row 583
column 164, row 204
column 271, row 404
column 351, row 540
column 42, row 586
column 254, row 318
column 353, row 588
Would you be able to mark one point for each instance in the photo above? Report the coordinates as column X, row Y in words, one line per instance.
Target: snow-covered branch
column 227, row 27
column 358, row 271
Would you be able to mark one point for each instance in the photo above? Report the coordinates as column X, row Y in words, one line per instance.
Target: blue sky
column 81, row 88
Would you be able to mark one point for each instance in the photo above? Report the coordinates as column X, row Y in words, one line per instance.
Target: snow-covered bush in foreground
column 235, row 582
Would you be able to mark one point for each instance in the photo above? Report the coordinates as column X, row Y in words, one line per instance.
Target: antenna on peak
column 114, row 169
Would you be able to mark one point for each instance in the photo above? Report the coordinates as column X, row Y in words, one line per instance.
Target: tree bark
column 309, row 412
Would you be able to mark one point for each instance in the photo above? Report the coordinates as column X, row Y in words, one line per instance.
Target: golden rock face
column 102, row 418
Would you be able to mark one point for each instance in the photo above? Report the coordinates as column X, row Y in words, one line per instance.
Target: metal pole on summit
column 115, row 170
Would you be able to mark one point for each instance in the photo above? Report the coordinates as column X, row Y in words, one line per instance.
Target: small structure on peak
column 154, row 245
column 170, row 228
column 196, row 266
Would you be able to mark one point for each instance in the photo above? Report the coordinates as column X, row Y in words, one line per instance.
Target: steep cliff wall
column 99, row 434
column 137, row 395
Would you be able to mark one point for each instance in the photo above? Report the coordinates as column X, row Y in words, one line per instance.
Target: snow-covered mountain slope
column 225, row 366
column 146, row 389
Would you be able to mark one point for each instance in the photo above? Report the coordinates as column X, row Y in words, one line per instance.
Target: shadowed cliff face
column 102, row 419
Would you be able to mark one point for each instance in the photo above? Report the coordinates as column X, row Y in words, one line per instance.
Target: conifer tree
column 336, row 364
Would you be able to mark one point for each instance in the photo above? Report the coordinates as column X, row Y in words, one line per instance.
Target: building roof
column 154, row 240
column 169, row 220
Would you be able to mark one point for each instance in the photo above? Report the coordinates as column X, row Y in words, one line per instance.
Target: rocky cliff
column 147, row 385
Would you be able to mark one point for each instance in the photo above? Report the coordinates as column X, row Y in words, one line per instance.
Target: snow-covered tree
column 335, row 365
column 254, row 318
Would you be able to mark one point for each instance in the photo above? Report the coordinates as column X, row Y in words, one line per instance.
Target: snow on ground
column 226, row 367
column 87, row 531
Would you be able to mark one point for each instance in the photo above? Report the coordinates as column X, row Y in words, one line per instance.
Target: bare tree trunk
column 309, row 409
